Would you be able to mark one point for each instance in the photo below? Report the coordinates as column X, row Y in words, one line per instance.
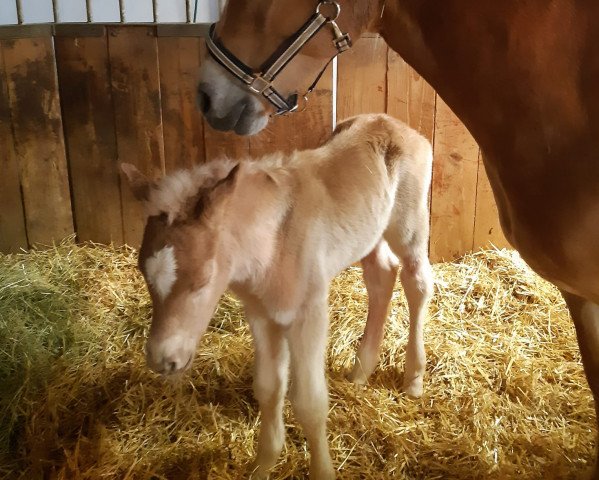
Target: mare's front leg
column 270, row 386
column 380, row 272
column 586, row 320
column 307, row 337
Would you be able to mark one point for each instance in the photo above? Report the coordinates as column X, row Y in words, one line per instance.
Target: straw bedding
column 505, row 395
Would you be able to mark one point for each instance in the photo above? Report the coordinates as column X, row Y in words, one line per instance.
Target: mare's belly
column 567, row 255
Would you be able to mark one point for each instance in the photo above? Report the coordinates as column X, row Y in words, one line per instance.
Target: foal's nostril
column 203, row 100
column 172, row 367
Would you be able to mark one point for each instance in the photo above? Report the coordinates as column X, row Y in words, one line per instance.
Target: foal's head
column 255, row 30
column 181, row 257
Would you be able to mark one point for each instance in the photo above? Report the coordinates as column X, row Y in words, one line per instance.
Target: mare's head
column 254, row 31
column 182, row 257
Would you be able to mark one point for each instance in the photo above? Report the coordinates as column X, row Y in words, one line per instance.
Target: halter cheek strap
column 261, row 82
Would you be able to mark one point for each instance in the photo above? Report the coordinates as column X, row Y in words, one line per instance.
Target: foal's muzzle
column 171, row 355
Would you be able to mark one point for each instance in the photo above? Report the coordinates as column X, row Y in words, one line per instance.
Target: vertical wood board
column 179, row 60
column 38, row 136
column 88, row 119
column 13, row 235
column 135, row 85
column 409, row 97
column 362, row 78
column 453, row 198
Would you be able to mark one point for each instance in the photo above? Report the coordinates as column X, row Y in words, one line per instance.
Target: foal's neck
column 257, row 210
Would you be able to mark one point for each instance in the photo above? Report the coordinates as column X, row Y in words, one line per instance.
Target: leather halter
column 260, row 82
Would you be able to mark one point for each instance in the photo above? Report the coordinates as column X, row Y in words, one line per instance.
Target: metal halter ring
column 329, row 2
column 304, row 106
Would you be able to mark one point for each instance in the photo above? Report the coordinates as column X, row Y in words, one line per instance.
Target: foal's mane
column 172, row 193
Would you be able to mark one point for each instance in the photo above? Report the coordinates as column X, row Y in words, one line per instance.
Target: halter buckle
column 259, row 84
column 342, row 41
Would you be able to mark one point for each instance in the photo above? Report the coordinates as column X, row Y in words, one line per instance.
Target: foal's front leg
column 307, row 338
column 270, row 386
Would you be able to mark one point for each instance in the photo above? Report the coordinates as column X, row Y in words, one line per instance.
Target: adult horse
column 523, row 75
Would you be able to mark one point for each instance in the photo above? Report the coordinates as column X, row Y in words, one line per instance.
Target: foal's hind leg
column 380, row 271
column 417, row 280
column 586, row 320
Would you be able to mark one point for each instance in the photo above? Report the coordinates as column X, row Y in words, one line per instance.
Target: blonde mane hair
column 171, row 194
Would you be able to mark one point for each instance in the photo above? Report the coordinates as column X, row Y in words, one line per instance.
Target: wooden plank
column 302, row 130
column 138, row 10
column 71, row 11
column 8, row 13
column 182, row 121
column 104, row 11
column 182, row 29
column 12, row 217
column 361, row 74
column 133, row 55
column 38, row 137
column 171, row 11
column 409, row 97
column 487, row 229
column 12, row 32
column 454, row 186
column 219, row 144
column 88, row 119
column 36, row 11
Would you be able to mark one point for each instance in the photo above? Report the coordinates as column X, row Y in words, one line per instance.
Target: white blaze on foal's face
column 161, row 271
column 182, row 259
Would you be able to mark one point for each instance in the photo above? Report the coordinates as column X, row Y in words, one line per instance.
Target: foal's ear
column 138, row 182
column 229, row 181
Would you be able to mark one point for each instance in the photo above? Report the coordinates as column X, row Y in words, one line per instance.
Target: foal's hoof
column 259, row 475
column 357, row 376
column 413, row 388
column 326, row 473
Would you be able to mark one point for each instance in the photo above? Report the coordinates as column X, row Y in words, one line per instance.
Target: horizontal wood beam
column 98, row 29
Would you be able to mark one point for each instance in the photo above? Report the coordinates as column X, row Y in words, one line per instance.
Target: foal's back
column 374, row 171
column 372, row 155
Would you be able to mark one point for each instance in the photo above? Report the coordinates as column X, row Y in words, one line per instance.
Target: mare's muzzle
column 261, row 82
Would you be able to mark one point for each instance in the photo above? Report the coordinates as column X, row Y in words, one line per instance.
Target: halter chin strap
column 261, row 82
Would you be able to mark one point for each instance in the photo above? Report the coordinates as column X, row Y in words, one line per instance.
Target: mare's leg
column 307, row 337
column 380, row 271
column 270, row 386
column 586, row 320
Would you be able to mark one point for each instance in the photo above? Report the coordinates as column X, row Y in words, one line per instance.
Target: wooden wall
column 72, row 108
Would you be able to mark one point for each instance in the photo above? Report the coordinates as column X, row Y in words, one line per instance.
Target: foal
column 276, row 231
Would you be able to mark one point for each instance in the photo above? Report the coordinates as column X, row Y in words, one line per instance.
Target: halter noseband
column 261, row 82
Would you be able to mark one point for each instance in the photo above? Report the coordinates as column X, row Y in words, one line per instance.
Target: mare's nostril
column 203, row 100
